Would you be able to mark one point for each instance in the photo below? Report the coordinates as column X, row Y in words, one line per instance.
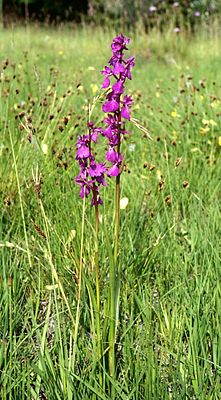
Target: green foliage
column 25, row 1
column 168, row 336
column 154, row 13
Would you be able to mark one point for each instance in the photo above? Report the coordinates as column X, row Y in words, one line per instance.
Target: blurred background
column 129, row 12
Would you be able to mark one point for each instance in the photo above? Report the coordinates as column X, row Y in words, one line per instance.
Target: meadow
column 168, row 325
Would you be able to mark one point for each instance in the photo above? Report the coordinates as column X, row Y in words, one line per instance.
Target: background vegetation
column 120, row 11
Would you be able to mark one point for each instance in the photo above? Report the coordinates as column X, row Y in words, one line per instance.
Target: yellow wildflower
column 213, row 123
column 94, row 88
column 174, row 114
column 175, row 134
column 203, row 131
column 215, row 103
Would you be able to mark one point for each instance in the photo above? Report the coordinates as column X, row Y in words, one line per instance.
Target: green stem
column 97, row 281
column 97, row 275
column 79, row 287
column 117, row 219
column 96, row 253
column 117, row 199
column 114, row 272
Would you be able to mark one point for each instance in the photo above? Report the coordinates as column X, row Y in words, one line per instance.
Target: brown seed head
column 152, row 167
column 168, row 200
column 185, row 184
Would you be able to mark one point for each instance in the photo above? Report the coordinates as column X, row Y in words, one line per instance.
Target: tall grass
column 168, row 337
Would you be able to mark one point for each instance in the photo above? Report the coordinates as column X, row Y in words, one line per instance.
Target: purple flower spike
column 91, row 174
column 117, row 107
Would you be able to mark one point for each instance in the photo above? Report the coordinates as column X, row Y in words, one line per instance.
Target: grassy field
column 168, row 338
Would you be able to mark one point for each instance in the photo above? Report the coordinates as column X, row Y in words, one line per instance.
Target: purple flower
column 118, row 68
column 96, row 170
column 82, row 146
column 114, row 170
column 107, row 71
column 111, row 130
column 86, row 186
column 128, row 65
column 119, row 44
column 125, row 112
column 118, row 87
column 98, row 200
column 127, row 102
column 95, row 132
column 197, row 13
column 110, row 106
column 113, row 156
column 106, row 83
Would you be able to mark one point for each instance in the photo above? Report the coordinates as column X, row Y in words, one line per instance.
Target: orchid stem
column 79, row 287
column 97, row 282
column 97, row 256
column 114, row 272
column 117, row 219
